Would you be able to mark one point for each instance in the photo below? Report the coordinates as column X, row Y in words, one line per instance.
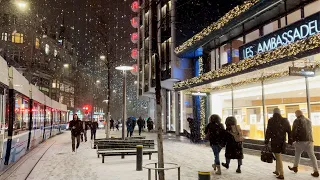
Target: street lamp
column 124, row 95
column 102, row 57
column 66, row 65
column 21, row 5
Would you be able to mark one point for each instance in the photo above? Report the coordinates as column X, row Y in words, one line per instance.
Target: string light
column 202, row 116
column 290, row 50
column 217, row 25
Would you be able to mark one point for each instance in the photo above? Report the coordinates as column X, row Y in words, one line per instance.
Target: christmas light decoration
column 202, row 116
column 260, row 59
column 217, row 25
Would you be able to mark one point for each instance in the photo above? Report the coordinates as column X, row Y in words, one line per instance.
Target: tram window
column 21, row 122
column 48, row 117
column 37, row 115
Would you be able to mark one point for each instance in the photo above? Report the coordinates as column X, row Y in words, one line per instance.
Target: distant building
column 38, row 50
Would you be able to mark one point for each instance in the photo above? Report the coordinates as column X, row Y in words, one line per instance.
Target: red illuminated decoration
column 134, row 53
column 135, row 6
column 135, row 22
column 134, row 37
column 134, row 71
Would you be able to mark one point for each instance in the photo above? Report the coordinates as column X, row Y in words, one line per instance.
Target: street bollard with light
column 124, row 99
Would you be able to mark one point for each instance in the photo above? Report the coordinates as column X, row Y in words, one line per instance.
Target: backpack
column 237, row 133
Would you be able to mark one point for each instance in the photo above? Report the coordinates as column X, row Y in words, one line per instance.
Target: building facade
column 157, row 31
column 241, row 67
column 39, row 50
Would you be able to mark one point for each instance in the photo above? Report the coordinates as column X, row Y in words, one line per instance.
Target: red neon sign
column 135, row 6
column 135, row 22
column 134, row 37
column 134, row 53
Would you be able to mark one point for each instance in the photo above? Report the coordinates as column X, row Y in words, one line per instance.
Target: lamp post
column 124, row 96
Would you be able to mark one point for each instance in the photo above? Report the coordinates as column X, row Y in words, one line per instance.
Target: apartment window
column 283, row 22
column 294, row 17
column 47, row 50
column 17, row 38
column 252, row 36
column 37, row 45
column 311, row 8
column 269, row 28
column 4, row 36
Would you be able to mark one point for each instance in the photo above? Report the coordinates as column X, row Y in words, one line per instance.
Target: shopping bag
column 267, row 155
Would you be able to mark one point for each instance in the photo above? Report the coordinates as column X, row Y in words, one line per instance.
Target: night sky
column 86, row 20
column 195, row 15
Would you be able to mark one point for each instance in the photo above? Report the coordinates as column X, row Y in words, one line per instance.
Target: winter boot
column 280, row 177
column 218, row 172
column 225, row 165
column 238, row 170
column 214, row 166
column 315, row 174
column 294, row 169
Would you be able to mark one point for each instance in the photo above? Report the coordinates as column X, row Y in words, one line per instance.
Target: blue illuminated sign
column 292, row 33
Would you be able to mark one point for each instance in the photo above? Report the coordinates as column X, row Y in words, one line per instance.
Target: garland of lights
column 200, row 65
column 202, row 116
column 217, row 25
column 260, row 59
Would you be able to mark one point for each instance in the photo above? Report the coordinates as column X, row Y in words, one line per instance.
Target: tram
column 27, row 116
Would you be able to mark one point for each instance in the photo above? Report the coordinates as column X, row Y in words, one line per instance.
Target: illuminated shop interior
column 286, row 92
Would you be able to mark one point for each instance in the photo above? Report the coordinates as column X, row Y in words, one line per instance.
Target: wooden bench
column 95, row 142
column 124, row 147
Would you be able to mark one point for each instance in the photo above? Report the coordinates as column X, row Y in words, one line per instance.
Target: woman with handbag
column 277, row 129
column 233, row 140
column 214, row 133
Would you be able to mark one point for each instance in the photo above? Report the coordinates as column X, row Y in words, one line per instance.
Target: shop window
column 47, row 50
column 283, row 22
column 37, row 45
column 235, row 49
column 225, row 56
column 269, row 28
column 213, row 60
column 294, row 17
column 252, row 36
column 4, row 36
column 218, row 64
column 312, row 8
column 17, row 38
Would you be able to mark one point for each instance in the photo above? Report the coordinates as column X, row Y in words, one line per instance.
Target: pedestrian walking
column 84, row 133
column 129, row 127
column 233, row 139
column 112, row 124
column 150, row 124
column 134, row 122
column 94, row 126
column 277, row 129
column 215, row 132
column 116, row 123
column 140, row 124
column 303, row 141
column 76, row 128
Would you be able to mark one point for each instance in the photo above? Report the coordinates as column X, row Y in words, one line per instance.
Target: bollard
column 204, row 175
column 139, row 157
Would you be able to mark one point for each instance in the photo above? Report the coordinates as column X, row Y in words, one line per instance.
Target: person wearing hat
column 277, row 129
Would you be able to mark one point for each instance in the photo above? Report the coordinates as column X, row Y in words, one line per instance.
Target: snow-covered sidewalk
column 59, row 163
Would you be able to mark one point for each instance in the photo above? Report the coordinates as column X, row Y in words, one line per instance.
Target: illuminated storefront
column 249, row 75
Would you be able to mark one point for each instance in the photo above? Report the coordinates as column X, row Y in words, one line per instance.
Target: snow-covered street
column 58, row 163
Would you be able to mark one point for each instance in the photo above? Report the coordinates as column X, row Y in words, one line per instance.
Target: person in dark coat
column 76, row 128
column 192, row 129
column 84, row 133
column 277, row 129
column 216, row 131
column 129, row 127
column 150, row 124
column 111, row 124
column 233, row 139
column 94, row 126
column 140, row 124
